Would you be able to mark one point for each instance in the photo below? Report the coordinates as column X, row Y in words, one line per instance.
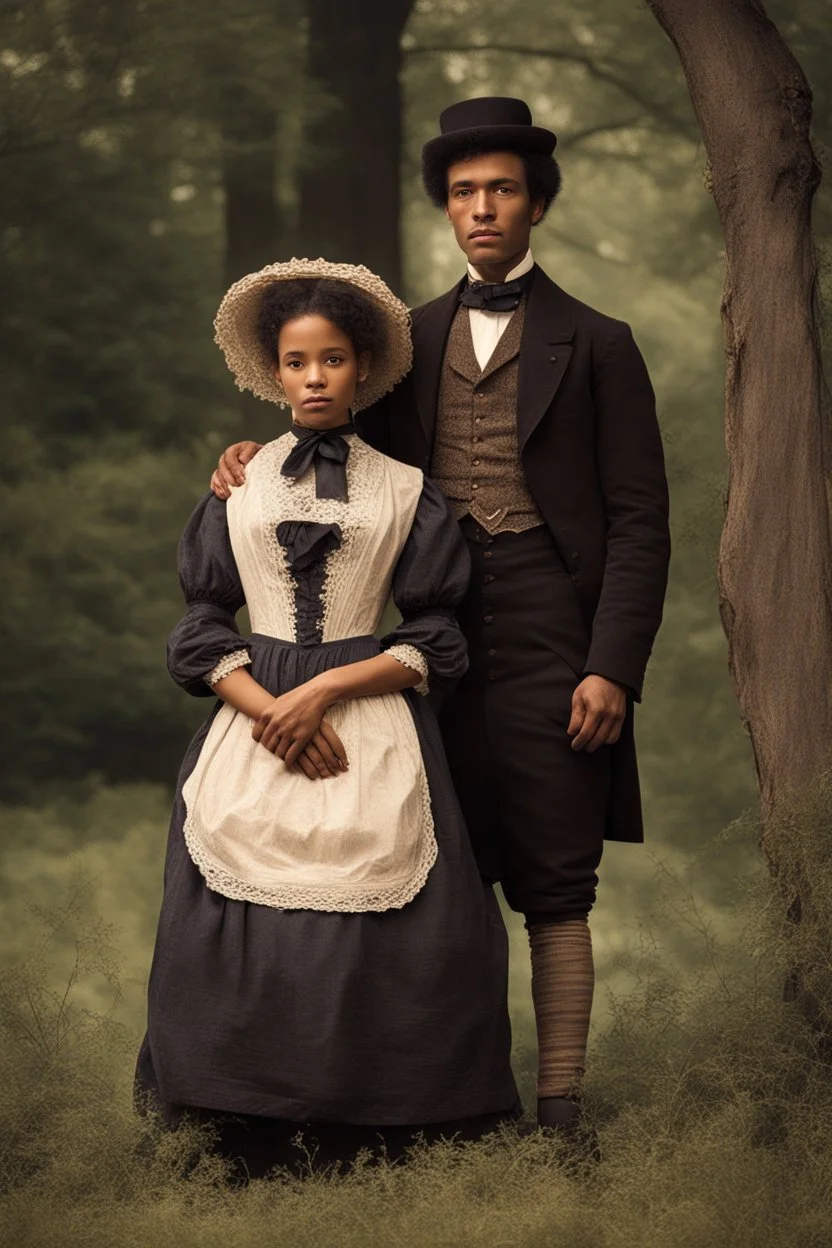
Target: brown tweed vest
column 476, row 460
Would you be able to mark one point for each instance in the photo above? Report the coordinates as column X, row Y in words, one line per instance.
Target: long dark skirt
column 393, row 1019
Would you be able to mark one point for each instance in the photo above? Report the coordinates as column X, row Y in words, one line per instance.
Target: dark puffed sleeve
column 429, row 582
column 207, row 638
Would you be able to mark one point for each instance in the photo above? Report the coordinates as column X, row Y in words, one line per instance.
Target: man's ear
column 537, row 211
column 364, row 361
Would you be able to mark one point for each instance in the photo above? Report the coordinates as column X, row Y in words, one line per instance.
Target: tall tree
column 775, row 566
column 350, row 172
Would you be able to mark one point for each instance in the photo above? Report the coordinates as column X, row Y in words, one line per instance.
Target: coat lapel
column 430, row 334
column 545, row 352
column 508, row 346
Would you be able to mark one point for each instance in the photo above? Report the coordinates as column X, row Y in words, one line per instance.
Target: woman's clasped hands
column 293, row 728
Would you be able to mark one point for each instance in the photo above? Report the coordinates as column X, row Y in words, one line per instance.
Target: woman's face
column 319, row 370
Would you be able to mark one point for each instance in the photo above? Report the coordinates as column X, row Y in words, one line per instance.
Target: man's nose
column 482, row 207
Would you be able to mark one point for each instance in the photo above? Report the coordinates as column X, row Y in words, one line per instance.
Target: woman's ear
column 364, row 361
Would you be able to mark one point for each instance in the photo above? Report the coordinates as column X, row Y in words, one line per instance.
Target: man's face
column 489, row 208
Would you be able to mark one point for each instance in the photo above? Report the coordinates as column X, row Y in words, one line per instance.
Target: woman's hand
column 324, row 755
column 292, row 725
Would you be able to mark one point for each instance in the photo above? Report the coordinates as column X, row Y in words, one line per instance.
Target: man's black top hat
column 501, row 120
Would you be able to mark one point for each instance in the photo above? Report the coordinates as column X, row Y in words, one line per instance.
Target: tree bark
column 350, row 199
column 754, row 106
column 254, row 224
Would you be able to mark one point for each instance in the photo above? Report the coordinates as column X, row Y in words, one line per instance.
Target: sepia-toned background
column 150, row 154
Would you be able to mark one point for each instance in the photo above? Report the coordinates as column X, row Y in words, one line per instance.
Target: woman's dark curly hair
column 543, row 177
column 354, row 313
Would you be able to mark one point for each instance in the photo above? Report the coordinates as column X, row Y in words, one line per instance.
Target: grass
column 712, row 1097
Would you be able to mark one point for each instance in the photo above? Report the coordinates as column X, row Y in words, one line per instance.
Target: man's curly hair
column 339, row 302
column 543, row 176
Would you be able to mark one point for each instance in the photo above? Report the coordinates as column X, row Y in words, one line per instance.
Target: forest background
column 150, row 154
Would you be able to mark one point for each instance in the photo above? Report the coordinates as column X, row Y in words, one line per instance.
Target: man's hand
column 293, row 726
column 231, row 467
column 598, row 709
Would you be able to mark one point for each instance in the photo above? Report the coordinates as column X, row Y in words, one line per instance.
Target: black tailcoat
column 591, row 452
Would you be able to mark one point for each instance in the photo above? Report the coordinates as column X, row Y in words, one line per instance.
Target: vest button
column 476, row 463
column 486, row 554
column 488, row 619
column 491, row 653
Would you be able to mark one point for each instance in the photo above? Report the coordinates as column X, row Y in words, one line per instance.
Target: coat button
column 488, row 619
column 491, row 653
column 488, row 578
column 486, row 554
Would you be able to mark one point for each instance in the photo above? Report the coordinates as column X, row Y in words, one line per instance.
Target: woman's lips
column 318, row 401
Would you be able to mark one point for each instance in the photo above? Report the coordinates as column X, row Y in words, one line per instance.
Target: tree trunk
column 754, row 107
column 350, row 201
column 254, row 227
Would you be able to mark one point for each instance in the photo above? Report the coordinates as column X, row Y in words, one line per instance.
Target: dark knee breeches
column 536, row 809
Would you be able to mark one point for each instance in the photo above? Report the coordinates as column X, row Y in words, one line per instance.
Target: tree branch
column 661, row 113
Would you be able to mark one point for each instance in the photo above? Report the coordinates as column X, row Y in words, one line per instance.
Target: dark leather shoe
column 562, row 1117
column 562, row 1113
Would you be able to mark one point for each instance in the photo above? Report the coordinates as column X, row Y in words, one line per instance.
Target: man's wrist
column 610, row 680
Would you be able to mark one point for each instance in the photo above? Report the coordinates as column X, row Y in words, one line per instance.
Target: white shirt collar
column 524, row 266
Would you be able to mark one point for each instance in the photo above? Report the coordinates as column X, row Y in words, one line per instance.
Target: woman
column 327, row 953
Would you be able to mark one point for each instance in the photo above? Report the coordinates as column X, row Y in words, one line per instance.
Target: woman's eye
column 294, row 364
column 335, row 359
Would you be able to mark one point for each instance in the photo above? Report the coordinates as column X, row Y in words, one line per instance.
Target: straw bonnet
column 253, row 367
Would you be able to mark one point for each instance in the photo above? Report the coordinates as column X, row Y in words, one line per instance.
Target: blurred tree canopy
column 152, row 153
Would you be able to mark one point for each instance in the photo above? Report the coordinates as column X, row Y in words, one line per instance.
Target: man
column 535, row 415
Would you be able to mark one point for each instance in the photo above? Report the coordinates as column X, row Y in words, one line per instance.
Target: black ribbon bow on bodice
column 306, row 543
column 495, row 297
column 328, row 450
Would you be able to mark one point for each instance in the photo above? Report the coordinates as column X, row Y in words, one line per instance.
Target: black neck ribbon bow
column 328, row 450
column 495, row 297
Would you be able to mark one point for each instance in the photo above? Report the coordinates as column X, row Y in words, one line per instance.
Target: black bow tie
column 328, row 450
column 497, row 297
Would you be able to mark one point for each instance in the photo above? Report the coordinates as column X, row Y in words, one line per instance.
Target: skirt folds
column 378, row 1018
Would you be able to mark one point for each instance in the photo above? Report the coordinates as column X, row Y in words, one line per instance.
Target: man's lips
column 484, row 234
